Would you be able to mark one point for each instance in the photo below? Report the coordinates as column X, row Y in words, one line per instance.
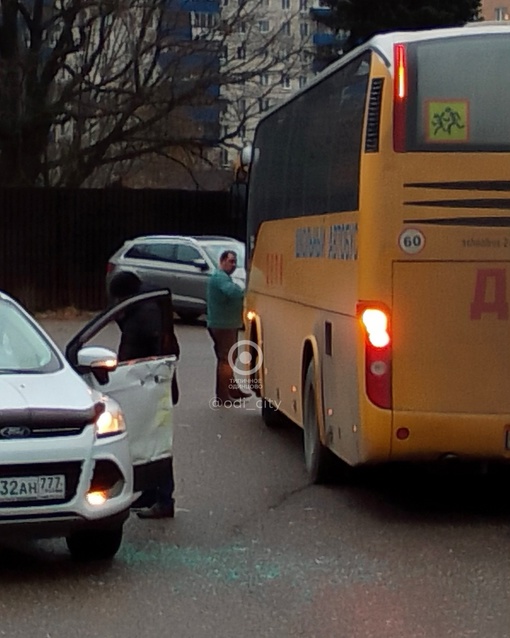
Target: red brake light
column 375, row 320
column 399, row 97
column 109, row 267
column 376, row 326
column 400, row 72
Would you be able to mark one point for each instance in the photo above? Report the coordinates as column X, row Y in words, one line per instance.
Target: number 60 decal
column 411, row 241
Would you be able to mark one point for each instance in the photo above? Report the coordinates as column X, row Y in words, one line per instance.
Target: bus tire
column 255, row 352
column 271, row 416
column 318, row 459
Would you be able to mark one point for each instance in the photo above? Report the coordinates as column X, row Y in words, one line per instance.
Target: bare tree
column 89, row 87
column 260, row 53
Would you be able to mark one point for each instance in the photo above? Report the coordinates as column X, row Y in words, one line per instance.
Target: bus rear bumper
column 417, row 436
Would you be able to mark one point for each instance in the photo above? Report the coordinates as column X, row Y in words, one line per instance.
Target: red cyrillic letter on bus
column 495, row 279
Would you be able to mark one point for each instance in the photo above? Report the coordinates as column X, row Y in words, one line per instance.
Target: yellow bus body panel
column 459, row 364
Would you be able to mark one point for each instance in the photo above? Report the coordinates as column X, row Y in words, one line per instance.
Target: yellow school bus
column 379, row 252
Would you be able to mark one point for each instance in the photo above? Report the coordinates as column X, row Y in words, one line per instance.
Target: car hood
column 60, row 398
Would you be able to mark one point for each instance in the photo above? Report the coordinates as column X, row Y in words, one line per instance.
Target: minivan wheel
column 319, row 460
column 94, row 544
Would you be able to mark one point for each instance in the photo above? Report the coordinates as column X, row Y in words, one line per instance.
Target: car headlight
column 110, row 420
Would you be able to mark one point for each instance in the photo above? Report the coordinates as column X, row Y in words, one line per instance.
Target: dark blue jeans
column 163, row 490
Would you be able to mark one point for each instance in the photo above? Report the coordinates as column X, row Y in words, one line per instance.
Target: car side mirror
column 200, row 263
column 97, row 360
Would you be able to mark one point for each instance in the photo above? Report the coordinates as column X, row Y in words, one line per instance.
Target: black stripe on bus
column 464, row 203
column 463, row 221
column 486, row 185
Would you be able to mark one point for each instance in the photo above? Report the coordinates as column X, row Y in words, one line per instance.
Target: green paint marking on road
column 270, row 572
column 227, row 564
column 243, row 566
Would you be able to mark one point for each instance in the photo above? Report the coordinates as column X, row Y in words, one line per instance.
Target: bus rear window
column 459, row 90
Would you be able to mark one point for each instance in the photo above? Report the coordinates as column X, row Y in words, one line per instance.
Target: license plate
column 32, row 488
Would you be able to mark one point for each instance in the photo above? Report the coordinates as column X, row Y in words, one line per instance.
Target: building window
column 501, row 13
column 241, row 53
column 264, row 26
column 302, row 81
column 242, row 131
column 242, row 27
column 304, row 29
column 263, row 104
column 286, row 28
column 224, row 53
column 205, row 20
column 283, row 55
column 224, row 3
column 264, row 79
column 224, row 157
column 285, row 82
column 285, row 4
column 303, row 5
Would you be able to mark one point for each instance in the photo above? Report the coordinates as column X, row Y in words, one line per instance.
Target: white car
column 67, row 465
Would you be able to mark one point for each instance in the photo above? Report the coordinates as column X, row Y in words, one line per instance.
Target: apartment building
column 270, row 50
column 496, row 10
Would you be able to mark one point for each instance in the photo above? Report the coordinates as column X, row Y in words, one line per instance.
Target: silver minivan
column 181, row 263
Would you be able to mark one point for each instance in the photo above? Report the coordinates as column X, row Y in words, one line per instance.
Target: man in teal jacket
column 224, row 319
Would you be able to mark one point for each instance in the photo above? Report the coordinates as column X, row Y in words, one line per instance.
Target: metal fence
column 55, row 244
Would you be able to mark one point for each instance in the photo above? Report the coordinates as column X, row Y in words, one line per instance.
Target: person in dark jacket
column 147, row 330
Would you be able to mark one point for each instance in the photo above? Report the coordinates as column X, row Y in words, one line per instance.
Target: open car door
column 142, row 387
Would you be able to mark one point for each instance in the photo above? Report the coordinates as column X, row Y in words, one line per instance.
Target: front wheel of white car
column 94, row 544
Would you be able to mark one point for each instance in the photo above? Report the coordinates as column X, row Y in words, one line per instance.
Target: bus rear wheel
column 318, row 459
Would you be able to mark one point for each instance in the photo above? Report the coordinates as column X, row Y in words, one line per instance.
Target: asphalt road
column 254, row 551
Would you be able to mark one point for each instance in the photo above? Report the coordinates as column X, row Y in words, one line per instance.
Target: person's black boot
column 157, row 511
column 144, row 501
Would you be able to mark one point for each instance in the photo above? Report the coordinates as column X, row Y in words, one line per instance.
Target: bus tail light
column 375, row 320
column 400, row 97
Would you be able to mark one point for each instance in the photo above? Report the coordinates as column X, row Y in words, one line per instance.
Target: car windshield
column 23, row 348
column 214, row 251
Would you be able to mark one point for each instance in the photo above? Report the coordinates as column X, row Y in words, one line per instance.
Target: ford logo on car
column 15, row 432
